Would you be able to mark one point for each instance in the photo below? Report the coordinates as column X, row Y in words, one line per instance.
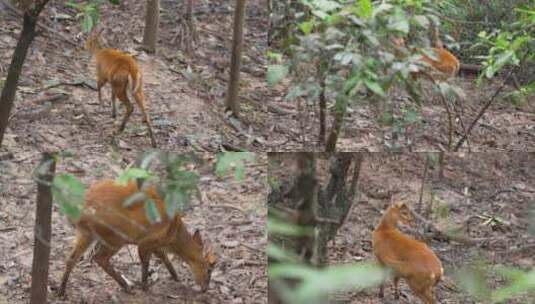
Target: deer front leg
column 163, row 257
column 113, row 111
column 100, row 84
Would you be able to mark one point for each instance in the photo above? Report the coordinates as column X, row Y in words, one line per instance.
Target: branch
column 483, row 110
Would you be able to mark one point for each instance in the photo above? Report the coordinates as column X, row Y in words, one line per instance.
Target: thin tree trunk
column 420, row 199
column 330, row 146
column 232, row 102
column 440, row 166
column 42, row 230
column 323, row 110
column 152, row 21
column 191, row 21
column 21, row 50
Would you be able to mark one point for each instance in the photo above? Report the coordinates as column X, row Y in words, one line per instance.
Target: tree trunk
column 17, row 61
column 336, row 200
column 43, row 216
column 319, row 209
column 339, row 115
column 232, row 102
column 323, row 109
column 152, row 20
column 191, row 22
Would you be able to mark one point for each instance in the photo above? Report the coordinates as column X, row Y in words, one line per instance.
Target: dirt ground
column 480, row 185
column 231, row 217
column 503, row 127
column 185, row 93
column 184, row 90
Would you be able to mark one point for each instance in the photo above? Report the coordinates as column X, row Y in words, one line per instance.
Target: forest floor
column 185, row 93
column 232, row 218
column 184, row 90
column 494, row 190
column 505, row 126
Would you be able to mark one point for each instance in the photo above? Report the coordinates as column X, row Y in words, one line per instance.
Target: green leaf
column 412, row 116
column 326, row 5
column 133, row 173
column 148, row 159
column 137, row 197
column 317, row 283
column 234, row 160
column 522, row 282
column 176, row 200
column 306, row 27
column 276, row 73
column 279, row 254
column 69, row 193
column 275, row 226
column 364, row 9
column 473, row 281
column 152, row 211
column 87, row 23
column 73, row 5
column 375, row 88
column 115, row 2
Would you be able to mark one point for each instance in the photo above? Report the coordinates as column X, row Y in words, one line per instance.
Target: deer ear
column 197, row 237
column 399, row 204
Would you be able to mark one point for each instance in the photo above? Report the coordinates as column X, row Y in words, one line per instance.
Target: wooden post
column 42, row 229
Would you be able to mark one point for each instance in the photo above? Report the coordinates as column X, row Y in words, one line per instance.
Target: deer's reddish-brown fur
column 443, row 63
column 122, row 72
column 108, row 222
column 408, row 258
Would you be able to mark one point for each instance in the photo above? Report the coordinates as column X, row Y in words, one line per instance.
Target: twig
column 460, row 116
column 72, row 83
column 237, row 125
column 423, row 183
column 226, row 206
column 450, row 121
column 523, row 248
column 51, row 98
column 483, row 110
column 441, row 234
column 252, row 248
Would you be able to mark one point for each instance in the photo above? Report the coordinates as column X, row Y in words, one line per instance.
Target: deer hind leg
column 82, row 242
column 140, row 100
column 102, row 257
column 423, row 290
column 113, row 111
column 121, row 94
column 100, row 83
